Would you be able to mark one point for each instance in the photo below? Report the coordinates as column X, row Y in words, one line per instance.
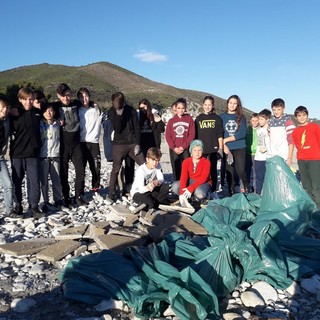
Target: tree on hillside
column 13, row 89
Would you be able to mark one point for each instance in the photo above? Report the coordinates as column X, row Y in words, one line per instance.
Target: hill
column 103, row 79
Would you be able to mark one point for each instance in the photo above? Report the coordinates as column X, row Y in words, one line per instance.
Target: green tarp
column 249, row 238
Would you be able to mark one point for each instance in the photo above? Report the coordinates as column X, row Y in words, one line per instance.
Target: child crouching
column 148, row 186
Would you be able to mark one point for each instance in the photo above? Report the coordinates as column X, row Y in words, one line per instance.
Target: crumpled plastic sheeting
column 284, row 200
column 249, row 238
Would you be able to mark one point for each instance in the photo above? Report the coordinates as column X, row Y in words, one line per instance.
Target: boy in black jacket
column 126, row 140
column 24, row 151
column 67, row 112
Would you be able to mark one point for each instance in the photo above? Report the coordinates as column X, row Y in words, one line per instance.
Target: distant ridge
column 103, row 79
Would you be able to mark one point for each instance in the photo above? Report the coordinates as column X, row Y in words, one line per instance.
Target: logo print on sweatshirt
column 231, row 127
column 179, row 130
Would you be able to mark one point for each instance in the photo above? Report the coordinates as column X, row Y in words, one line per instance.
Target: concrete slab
column 118, row 243
column 172, row 208
column 96, row 229
column 130, row 220
column 174, row 222
column 120, row 209
column 128, row 232
column 58, row 250
column 24, row 247
column 72, row 233
column 80, row 250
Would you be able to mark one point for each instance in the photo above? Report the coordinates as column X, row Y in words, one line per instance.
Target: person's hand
column 184, row 202
column 156, row 183
column 156, row 117
column 186, row 193
column 137, row 149
column 178, row 150
column 150, row 186
column 220, row 153
column 230, row 158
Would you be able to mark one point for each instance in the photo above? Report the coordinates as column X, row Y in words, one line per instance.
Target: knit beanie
column 195, row 143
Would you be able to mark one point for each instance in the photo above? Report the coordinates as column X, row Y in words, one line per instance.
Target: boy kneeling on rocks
column 148, row 188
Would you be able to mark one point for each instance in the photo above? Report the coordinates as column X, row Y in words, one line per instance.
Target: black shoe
column 80, row 202
column 45, row 208
column 13, row 214
column 58, row 204
column 112, row 196
column 18, row 209
column 36, row 213
column 246, row 189
column 66, row 203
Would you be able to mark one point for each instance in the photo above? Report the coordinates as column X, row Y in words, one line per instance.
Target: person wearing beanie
column 195, row 175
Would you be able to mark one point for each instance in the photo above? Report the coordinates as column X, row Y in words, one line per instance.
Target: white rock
column 311, row 285
column 169, row 312
column 245, row 285
column 36, row 269
column 22, row 305
column 251, row 299
column 106, row 317
column 232, row 316
column 10, row 227
column 18, row 287
column 246, row 314
column 2, row 239
column 293, row 289
column 266, row 291
column 30, row 226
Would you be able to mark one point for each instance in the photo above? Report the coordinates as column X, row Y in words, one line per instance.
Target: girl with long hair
column 234, row 142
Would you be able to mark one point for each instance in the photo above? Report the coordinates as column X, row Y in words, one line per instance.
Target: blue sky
column 257, row 49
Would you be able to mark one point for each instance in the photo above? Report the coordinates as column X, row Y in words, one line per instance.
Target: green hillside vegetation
column 103, row 79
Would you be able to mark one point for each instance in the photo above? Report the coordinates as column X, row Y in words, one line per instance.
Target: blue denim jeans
column 6, row 184
column 200, row 193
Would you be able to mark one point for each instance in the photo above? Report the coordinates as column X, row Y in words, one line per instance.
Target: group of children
column 243, row 150
column 274, row 133
column 44, row 137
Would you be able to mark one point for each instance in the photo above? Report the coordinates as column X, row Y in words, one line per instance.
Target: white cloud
column 149, row 56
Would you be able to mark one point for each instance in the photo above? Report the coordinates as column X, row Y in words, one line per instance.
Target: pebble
column 266, row 291
column 251, row 299
column 311, row 285
column 22, row 305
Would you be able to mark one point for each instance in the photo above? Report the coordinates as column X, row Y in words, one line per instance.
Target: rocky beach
column 30, row 288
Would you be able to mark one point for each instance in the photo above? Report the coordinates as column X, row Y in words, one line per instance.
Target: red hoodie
column 199, row 177
column 180, row 131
